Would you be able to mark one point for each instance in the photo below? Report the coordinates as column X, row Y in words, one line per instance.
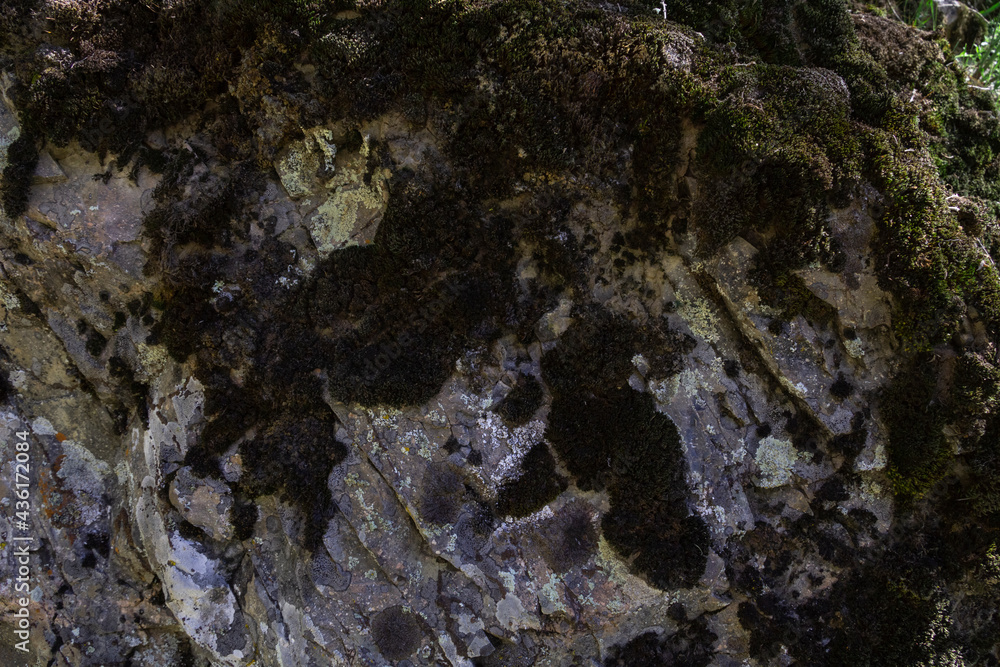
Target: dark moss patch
column 690, row 646
column 244, row 517
column 15, row 187
column 887, row 624
column 396, row 632
column 520, row 405
column 914, row 417
column 985, row 462
column 768, row 630
column 443, row 495
column 569, row 539
column 295, row 455
column 385, row 322
column 451, row 445
column 537, row 484
column 841, row 388
column 610, row 436
column 850, row 444
column 96, row 342
column 507, row 654
column 787, row 292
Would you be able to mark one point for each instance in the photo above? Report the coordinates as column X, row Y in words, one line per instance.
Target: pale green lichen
column 700, row 318
column 854, row 348
column 152, row 360
column 295, row 169
column 352, row 479
column 550, row 597
column 350, row 211
column 8, row 299
column 775, row 459
column 509, row 580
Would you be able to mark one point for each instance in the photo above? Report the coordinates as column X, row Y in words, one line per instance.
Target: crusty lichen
column 775, row 458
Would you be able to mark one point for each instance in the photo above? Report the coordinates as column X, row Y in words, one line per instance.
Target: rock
column 510, row 338
column 203, row 503
column 47, row 170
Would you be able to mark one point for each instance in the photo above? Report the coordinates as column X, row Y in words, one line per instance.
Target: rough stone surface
column 493, row 334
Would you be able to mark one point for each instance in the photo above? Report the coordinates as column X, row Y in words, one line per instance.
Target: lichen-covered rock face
column 497, row 332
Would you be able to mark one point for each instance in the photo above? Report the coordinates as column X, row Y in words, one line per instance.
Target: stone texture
column 171, row 526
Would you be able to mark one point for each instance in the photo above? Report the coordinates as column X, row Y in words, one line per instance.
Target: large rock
column 509, row 335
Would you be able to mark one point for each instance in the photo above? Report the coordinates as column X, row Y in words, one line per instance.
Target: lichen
column 775, row 459
column 701, row 317
column 8, row 299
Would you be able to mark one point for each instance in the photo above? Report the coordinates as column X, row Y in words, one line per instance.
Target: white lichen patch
column 872, row 458
column 641, row 364
column 506, row 446
column 689, row 383
column 775, row 458
column 384, row 418
column 854, row 348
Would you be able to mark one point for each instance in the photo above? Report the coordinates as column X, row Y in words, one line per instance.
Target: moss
column 778, row 144
column 295, row 455
column 536, row 485
column 888, row 624
column 507, row 653
column 769, row 626
column 690, row 646
column 397, row 632
column 841, row 388
column 781, row 289
column 914, row 419
column 523, row 401
column 568, row 540
column 985, row 462
column 609, row 436
column 443, row 494
column 22, row 156
column 96, row 342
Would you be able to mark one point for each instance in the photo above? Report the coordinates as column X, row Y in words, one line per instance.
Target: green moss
column 985, row 462
column 889, row 624
column 778, row 143
column 787, row 292
column 914, row 417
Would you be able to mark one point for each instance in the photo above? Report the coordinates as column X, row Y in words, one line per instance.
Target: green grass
column 920, row 13
column 983, row 59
